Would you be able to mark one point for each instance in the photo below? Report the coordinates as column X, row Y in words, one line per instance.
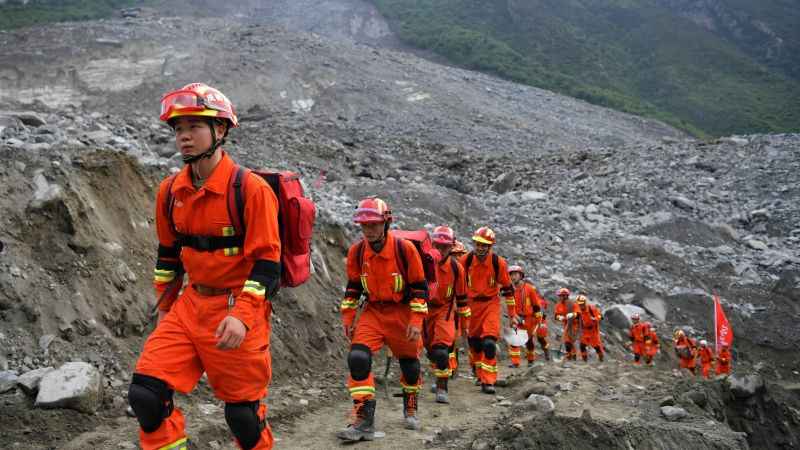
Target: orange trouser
column 440, row 330
column 707, row 370
column 591, row 338
column 721, row 369
column 459, row 321
column 384, row 324
column 639, row 349
column 183, row 346
column 515, row 353
column 484, row 322
column 689, row 363
column 569, row 343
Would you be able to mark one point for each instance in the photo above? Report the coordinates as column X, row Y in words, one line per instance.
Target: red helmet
column 562, row 292
column 635, row 317
column 459, row 248
column 724, row 345
column 581, row 299
column 372, row 210
column 513, row 269
column 444, row 235
column 198, row 99
column 484, row 235
column 648, row 324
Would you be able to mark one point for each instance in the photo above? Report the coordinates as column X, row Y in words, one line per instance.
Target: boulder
column 75, row 385
column 539, row 403
column 682, row 202
column 620, row 315
column 673, row 413
column 744, row 386
column 655, row 307
column 29, row 381
column 532, row 196
column 29, row 118
column 7, row 380
column 504, row 182
column 699, row 398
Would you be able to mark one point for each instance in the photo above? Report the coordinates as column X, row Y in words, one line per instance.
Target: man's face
column 192, row 135
column 444, row 249
column 516, row 277
column 373, row 231
column 482, row 249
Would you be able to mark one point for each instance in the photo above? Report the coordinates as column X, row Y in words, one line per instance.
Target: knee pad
column 150, row 400
column 410, row 369
column 440, row 356
column 583, row 347
column 568, row 346
column 359, row 360
column 476, row 344
column 489, row 348
column 529, row 344
column 542, row 342
column 243, row 420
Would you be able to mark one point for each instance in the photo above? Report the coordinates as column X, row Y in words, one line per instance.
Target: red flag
column 724, row 334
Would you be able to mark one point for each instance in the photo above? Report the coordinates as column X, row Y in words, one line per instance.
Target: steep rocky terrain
column 625, row 210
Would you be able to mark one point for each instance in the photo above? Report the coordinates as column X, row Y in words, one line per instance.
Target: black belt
column 482, row 299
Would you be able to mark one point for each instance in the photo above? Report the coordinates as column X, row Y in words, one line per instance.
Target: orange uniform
column 484, row 288
column 440, row 326
column 571, row 325
column 529, row 305
column 723, row 365
column 637, row 336
column 226, row 281
column 393, row 303
column 706, row 360
column 686, row 349
column 652, row 346
column 590, row 318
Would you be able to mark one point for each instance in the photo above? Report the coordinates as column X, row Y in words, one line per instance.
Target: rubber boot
column 410, row 412
column 531, row 363
column 362, row 427
column 547, row 355
column 441, row 391
column 487, row 388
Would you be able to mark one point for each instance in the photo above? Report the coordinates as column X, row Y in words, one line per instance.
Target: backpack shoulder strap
column 470, row 256
column 496, row 265
column 360, row 252
column 236, row 187
column 400, row 255
column 169, row 204
column 454, row 266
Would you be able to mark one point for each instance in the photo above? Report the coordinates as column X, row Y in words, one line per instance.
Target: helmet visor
column 368, row 215
column 442, row 237
column 185, row 101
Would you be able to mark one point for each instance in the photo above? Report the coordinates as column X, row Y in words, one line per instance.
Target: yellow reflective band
column 449, row 291
column 364, row 283
column 409, row 389
column 362, row 390
column 231, row 251
column 416, row 307
column 491, row 281
column 179, row 444
column 510, row 301
column 398, row 282
column 349, row 304
column 164, row 276
column 442, row 373
column 228, row 231
column 514, row 352
column 469, row 280
column 254, row 287
column 479, row 364
column 466, row 313
column 489, row 368
column 452, row 355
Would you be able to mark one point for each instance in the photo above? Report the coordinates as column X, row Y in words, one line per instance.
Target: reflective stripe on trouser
column 183, row 347
column 488, row 372
column 514, row 354
column 180, row 444
column 440, row 330
column 381, row 325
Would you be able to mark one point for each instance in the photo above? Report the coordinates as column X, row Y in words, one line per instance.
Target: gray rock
column 29, row 381
column 7, row 380
column 75, row 385
column 565, row 387
column 616, row 266
column 100, row 136
column 504, row 182
column 757, row 245
column 45, row 341
column 698, row 397
column 730, row 231
column 673, row 413
column 29, row 118
column 655, row 307
column 538, row 388
column 667, row 401
column 14, row 143
column 10, row 122
column 539, row 403
column 532, row 196
column 620, row 315
column 682, row 202
column 744, row 386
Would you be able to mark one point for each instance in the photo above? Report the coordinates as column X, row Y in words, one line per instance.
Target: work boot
column 531, row 363
column 434, row 386
column 487, row 388
column 601, row 357
column 441, row 391
column 410, row 412
column 585, row 358
column 547, row 355
column 362, row 425
column 477, row 381
column 513, row 366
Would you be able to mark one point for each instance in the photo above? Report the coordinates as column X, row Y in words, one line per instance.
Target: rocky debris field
column 624, row 210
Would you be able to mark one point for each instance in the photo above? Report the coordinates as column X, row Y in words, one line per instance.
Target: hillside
column 710, row 68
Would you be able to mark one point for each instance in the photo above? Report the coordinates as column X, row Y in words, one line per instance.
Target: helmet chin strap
column 189, row 159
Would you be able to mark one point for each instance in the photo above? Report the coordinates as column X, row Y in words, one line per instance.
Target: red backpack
column 295, row 222
column 429, row 255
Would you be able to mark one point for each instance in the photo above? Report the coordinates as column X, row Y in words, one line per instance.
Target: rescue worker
column 568, row 314
column 529, row 307
column 723, row 366
column 706, row 358
column 219, row 324
column 590, row 318
column 449, row 300
column 686, row 350
column 395, row 307
column 462, row 321
column 636, row 339
column 652, row 345
column 487, row 280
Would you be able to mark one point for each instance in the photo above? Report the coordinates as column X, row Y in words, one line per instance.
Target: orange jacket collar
column 385, row 254
column 486, row 261
column 216, row 183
